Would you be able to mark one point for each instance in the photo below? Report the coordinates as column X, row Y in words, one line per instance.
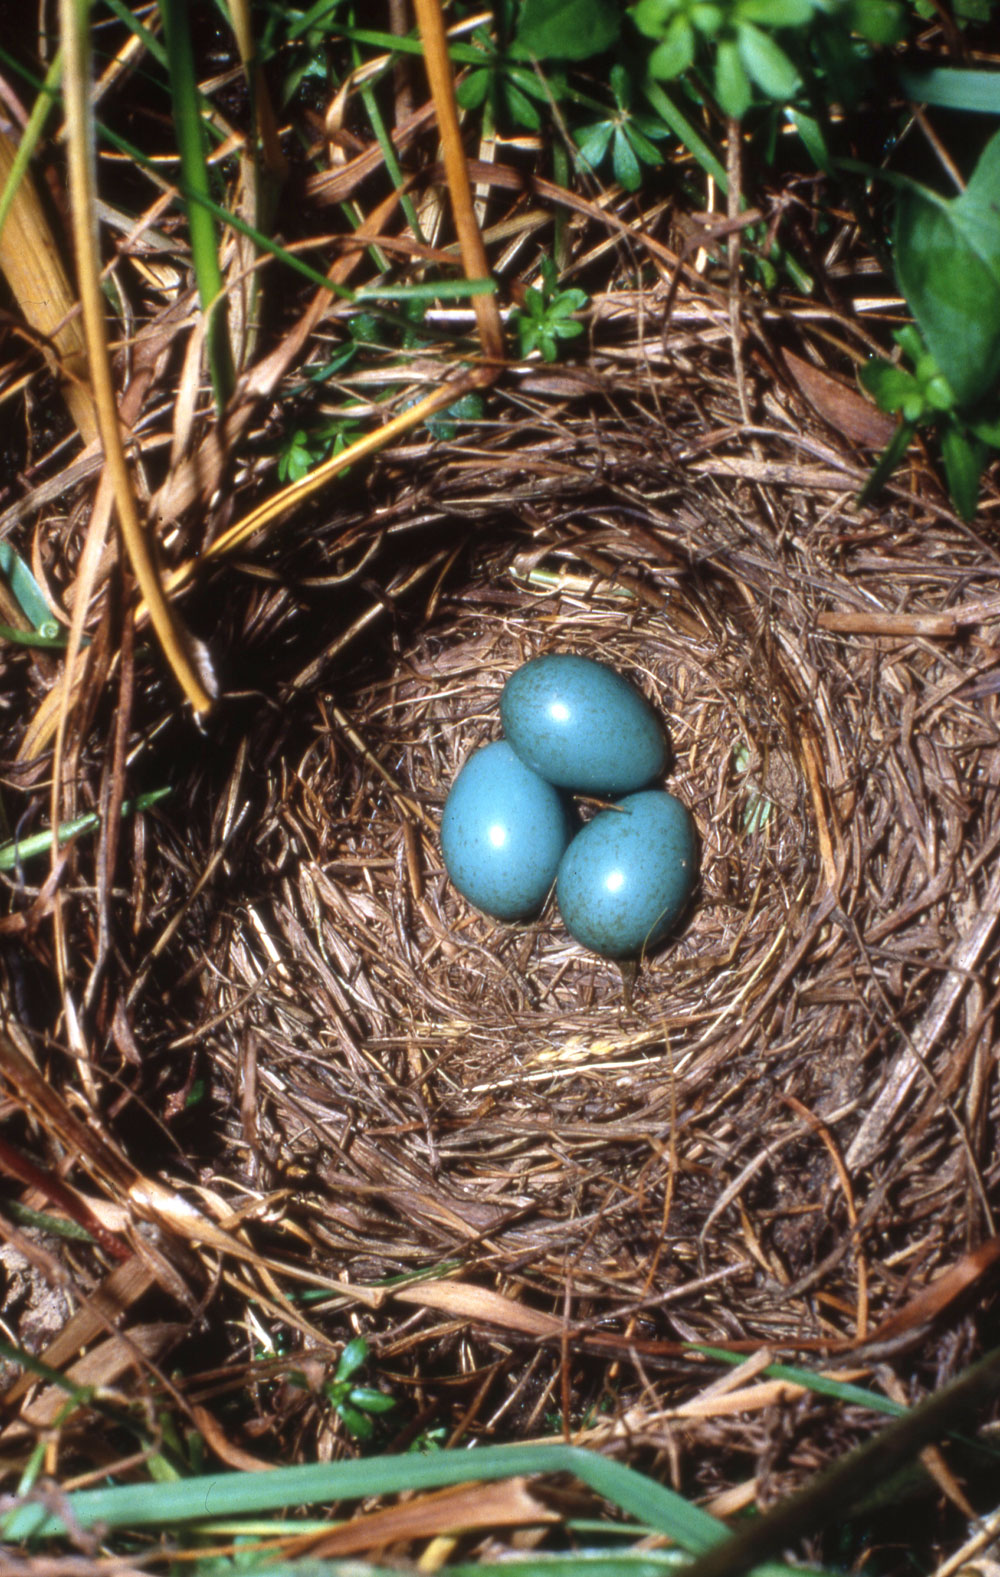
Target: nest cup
column 493, row 1001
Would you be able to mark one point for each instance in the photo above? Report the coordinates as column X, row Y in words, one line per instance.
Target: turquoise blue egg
column 503, row 833
column 582, row 726
column 627, row 876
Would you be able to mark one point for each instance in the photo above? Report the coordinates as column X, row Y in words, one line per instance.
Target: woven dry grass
column 274, row 1010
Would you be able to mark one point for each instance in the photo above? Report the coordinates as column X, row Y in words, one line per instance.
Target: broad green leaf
column 628, row 172
column 675, row 53
column 776, row 13
column 351, row 1359
column 593, row 142
column 988, row 431
column 879, row 21
column 948, row 267
column 707, row 19
column 371, row 1401
column 521, row 108
column 766, row 63
column 732, row 86
column 964, row 459
column 356, row 1423
column 471, row 91
column 653, row 17
column 889, row 386
column 566, row 328
column 568, row 29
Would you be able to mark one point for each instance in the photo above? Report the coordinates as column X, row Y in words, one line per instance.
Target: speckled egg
column 503, row 833
column 628, row 874
column 582, row 726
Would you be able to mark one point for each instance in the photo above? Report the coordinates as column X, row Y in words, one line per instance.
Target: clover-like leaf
column 593, row 142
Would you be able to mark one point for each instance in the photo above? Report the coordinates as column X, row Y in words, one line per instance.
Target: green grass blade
column 194, row 171
column 234, row 1494
column 685, row 132
column 12, row 854
column 45, row 98
column 26, row 589
column 820, row 1384
column 952, row 88
column 148, row 39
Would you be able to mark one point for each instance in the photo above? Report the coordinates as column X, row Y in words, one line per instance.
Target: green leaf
column 886, row 462
column 707, row 19
column 521, row 108
column 593, row 142
column 732, row 86
column 357, row 1424
column 640, row 143
column 653, row 17
column 878, row 21
column 963, row 459
column 948, row 267
column 568, row 29
column 950, row 87
column 766, row 63
column 813, row 140
column 628, row 172
column 26, row 590
column 621, row 85
column 776, row 13
column 890, row 387
column 352, row 1358
column 371, row 1401
column 676, row 52
column 987, row 431
column 472, row 90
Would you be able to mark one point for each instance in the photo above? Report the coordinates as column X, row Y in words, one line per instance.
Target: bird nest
column 783, row 1134
column 789, row 1117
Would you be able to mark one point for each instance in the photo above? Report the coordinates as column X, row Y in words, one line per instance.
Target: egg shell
column 582, row 726
column 503, row 832
column 628, row 874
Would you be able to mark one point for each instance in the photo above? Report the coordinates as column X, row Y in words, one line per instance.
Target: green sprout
column 547, row 316
column 357, row 1406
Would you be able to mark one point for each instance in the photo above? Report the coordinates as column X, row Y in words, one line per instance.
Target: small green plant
column 924, row 398
column 306, row 449
column 510, row 91
column 626, row 135
column 547, row 316
column 735, row 41
column 947, row 259
column 357, row 1406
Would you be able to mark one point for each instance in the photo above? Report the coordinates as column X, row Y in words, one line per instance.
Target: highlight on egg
column 628, row 875
column 582, row 726
column 503, row 832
